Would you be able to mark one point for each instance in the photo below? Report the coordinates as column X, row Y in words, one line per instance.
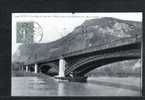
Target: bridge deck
column 111, row 44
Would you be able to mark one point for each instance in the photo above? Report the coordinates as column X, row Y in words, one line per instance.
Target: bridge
column 78, row 63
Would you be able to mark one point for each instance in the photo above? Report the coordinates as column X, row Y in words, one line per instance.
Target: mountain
column 90, row 33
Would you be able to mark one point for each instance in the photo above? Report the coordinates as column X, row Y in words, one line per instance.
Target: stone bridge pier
column 70, row 77
column 35, row 68
column 27, row 68
column 62, row 64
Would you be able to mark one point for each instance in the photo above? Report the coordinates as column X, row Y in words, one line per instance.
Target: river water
column 38, row 86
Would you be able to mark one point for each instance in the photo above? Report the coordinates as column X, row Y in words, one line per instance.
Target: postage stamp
column 27, row 31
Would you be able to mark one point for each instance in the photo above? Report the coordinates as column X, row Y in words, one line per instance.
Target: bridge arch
column 49, row 69
column 86, row 65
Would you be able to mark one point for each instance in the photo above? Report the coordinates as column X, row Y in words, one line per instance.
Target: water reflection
column 61, row 89
column 36, row 86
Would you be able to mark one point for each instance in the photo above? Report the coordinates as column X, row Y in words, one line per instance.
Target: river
column 39, row 86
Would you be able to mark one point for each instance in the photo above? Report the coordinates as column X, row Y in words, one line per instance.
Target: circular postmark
column 38, row 32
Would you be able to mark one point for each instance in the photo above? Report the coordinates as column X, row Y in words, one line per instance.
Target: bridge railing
column 113, row 43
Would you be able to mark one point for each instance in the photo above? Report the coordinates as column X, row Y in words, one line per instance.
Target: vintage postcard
column 79, row 54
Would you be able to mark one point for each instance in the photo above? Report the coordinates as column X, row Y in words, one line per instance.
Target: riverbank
column 136, row 81
column 27, row 74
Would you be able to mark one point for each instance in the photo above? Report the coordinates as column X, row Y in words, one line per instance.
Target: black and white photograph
column 76, row 54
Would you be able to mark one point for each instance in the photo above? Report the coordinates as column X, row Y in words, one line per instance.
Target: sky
column 57, row 25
